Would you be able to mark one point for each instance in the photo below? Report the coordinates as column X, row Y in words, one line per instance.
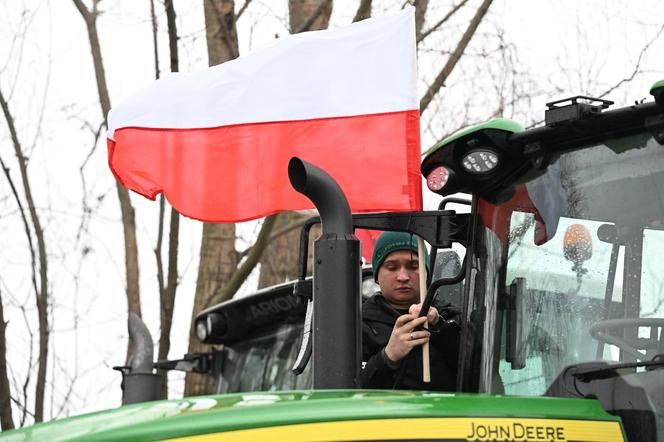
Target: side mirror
column 448, row 265
column 608, row 233
column 515, row 311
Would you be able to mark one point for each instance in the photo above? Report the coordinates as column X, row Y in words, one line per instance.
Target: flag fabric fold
column 217, row 142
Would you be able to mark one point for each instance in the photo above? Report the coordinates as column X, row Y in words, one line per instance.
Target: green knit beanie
column 389, row 242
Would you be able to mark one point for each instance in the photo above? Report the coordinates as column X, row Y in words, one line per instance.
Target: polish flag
column 367, row 239
column 217, row 142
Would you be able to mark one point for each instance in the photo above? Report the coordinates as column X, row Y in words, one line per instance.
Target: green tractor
column 555, row 269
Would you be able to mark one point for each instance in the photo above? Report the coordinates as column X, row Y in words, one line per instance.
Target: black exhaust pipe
column 139, row 382
column 336, row 292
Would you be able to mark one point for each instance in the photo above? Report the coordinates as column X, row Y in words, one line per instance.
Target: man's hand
column 432, row 317
column 404, row 337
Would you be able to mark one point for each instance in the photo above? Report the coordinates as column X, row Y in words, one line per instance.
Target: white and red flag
column 217, row 142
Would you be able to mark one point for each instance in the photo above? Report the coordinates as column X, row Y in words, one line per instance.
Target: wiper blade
column 611, row 371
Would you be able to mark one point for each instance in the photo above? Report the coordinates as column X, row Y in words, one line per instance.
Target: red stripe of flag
column 240, row 172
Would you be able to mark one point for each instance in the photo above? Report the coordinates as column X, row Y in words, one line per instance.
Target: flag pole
column 421, row 258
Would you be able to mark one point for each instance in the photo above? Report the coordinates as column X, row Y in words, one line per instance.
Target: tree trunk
column 168, row 290
column 253, row 254
column 363, row 11
column 42, row 296
column 279, row 262
column 420, row 14
column 218, row 257
column 126, row 208
column 220, row 31
column 6, row 421
column 309, row 15
column 168, row 298
column 217, row 263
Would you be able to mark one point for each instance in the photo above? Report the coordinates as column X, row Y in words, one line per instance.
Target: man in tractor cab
column 392, row 334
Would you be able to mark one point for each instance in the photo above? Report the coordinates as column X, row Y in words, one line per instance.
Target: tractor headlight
column 202, row 329
column 479, row 161
column 211, row 327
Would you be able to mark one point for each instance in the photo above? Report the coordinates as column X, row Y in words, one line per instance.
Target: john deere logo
column 475, row 429
column 515, row 432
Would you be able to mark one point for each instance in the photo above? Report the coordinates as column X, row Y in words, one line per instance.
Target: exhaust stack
column 336, row 292
column 139, row 383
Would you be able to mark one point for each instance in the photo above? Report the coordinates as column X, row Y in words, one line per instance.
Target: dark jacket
column 378, row 318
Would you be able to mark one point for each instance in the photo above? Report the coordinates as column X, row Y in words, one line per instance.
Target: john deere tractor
column 556, row 268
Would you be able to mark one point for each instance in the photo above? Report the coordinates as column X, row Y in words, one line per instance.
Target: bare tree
column 126, row 207
column 6, row 421
column 42, row 295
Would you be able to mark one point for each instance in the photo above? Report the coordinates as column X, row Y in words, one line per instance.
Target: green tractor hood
column 336, row 415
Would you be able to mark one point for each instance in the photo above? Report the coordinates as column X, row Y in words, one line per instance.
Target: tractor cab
column 564, row 289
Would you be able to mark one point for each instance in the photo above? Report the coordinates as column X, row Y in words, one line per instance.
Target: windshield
column 576, row 252
column 264, row 362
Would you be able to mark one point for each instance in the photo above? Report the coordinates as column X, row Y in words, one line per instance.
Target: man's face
column 398, row 278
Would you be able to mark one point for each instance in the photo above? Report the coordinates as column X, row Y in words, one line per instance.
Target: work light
column 437, row 178
column 480, row 161
column 474, row 159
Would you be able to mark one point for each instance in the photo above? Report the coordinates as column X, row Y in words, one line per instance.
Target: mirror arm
column 431, row 291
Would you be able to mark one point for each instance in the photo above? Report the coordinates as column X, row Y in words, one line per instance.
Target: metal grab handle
column 304, row 355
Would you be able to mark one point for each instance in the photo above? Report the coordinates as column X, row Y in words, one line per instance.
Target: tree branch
column 363, row 11
column 456, row 55
column 421, row 7
column 284, row 230
column 86, row 208
column 449, row 15
column 243, row 271
column 155, row 45
column 637, row 67
column 26, row 226
column 242, row 9
column 26, row 382
column 172, row 35
column 83, row 10
column 126, row 208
